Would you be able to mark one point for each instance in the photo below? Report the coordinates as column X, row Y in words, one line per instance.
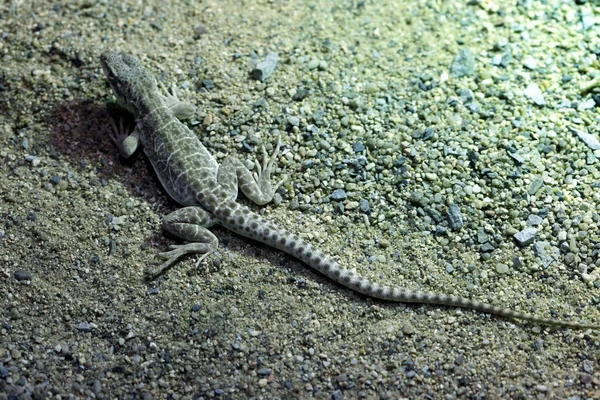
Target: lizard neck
column 146, row 101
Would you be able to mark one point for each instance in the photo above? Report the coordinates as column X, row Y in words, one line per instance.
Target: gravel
column 447, row 147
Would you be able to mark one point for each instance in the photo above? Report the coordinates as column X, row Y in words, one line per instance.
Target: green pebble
column 501, row 268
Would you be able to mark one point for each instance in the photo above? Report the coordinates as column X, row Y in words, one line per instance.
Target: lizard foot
column 262, row 176
column 118, row 134
column 181, row 109
column 127, row 143
column 179, row 250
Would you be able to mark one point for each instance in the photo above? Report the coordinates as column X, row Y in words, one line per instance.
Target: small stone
column 15, row 354
column 501, row 268
column 590, row 140
column 364, row 206
column 300, row 94
column 533, row 92
column 313, row 64
column 464, row 64
column 541, row 388
column 534, row 220
column 408, row 328
column 530, row 63
column 517, row 157
column 22, row 275
column 85, row 327
column 455, row 219
column 262, row 382
column 535, row 185
column 266, row 68
column 339, row 194
column 526, row 236
column 548, row 254
column 358, row 147
column 487, row 248
column 370, row 88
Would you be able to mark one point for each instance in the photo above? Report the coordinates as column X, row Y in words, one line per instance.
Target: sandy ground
column 373, row 117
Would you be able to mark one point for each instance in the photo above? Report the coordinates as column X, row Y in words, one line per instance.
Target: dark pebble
column 22, row 275
column 300, row 94
column 455, row 219
column 263, row 372
column 207, row 84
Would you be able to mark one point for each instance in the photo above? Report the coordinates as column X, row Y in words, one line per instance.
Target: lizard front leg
column 189, row 223
column 256, row 187
column 126, row 142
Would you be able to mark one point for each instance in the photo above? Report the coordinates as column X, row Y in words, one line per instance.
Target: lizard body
column 193, row 178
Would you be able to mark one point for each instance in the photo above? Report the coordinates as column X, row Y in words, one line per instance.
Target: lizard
column 208, row 191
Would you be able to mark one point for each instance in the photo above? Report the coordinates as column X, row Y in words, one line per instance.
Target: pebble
column 533, row 92
column 313, row 64
column 536, row 185
column 358, row 147
column 526, row 236
column 35, row 161
column 590, row 140
column 534, row 220
column 546, row 253
column 501, row 268
column 364, row 206
column 455, row 219
column 464, row 64
column 338, row 194
column 265, row 68
column 21, row 275
column 530, row 63
column 86, row 327
column 263, row 372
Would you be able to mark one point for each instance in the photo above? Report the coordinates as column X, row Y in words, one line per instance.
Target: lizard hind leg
column 189, row 223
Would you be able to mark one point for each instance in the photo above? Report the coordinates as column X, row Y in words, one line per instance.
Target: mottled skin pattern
column 191, row 175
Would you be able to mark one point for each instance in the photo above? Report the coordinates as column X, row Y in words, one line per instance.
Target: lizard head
column 127, row 78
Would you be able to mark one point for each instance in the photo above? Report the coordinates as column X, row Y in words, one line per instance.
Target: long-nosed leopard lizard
column 192, row 177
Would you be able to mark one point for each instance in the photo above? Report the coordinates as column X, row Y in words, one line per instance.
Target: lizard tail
column 257, row 228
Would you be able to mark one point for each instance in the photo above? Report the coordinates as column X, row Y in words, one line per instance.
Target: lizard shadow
column 81, row 130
